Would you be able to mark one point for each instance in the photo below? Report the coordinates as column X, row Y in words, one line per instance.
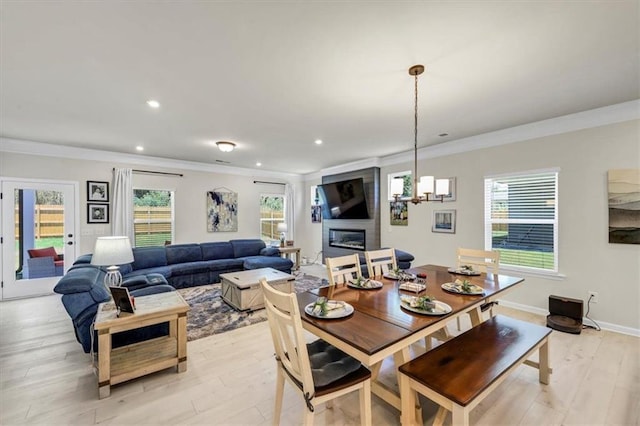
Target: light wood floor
column 45, row 378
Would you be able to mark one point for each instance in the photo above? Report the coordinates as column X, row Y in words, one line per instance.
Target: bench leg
column 544, row 370
column 408, row 397
column 460, row 415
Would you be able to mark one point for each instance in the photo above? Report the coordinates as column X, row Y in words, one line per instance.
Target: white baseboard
column 544, row 312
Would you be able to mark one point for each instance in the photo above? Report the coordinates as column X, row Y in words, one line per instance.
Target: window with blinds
column 521, row 219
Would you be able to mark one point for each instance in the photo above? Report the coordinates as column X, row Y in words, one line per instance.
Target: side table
column 138, row 359
column 287, row 251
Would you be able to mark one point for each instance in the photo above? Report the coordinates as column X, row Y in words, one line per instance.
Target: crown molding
column 18, row 146
column 611, row 114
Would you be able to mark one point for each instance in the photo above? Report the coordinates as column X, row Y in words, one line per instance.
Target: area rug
column 210, row 314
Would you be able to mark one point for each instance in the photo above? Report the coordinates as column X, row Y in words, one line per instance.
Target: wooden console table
column 287, row 251
column 138, row 359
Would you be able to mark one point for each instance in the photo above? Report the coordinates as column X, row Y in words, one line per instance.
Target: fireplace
column 347, row 238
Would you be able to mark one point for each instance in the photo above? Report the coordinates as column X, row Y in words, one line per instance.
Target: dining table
column 380, row 327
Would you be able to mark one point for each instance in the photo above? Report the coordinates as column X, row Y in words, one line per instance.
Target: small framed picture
column 97, row 213
column 444, row 221
column 122, row 299
column 98, row 191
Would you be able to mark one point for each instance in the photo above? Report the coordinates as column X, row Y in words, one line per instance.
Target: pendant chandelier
column 423, row 187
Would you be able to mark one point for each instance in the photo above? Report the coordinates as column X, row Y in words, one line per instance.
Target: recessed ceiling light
column 318, row 141
column 139, row 148
column 258, row 164
column 153, row 103
column 225, row 146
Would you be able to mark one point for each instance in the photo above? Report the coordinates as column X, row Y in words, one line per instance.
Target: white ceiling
column 275, row 76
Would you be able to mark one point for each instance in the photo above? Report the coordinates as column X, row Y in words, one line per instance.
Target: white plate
column 391, row 276
column 374, row 285
column 463, row 272
column 457, row 288
column 344, row 311
column 440, row 309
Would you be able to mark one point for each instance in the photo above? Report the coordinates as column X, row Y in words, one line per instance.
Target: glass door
column 38, row 235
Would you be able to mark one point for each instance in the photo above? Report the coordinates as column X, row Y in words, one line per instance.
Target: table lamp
column 282, row 228
column 111, row 252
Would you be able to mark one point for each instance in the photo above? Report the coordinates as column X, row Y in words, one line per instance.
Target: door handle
column 70, row 235
column 70, row 243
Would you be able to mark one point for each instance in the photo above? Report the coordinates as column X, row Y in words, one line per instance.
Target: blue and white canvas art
column 222, row 211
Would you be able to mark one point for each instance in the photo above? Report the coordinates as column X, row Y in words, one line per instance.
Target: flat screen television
column 344, row 200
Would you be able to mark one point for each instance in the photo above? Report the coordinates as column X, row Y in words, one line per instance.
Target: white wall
column 190, row 193
column 587, row 259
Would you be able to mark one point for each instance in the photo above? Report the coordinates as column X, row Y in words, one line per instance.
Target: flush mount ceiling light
column 424, row 185
column 225, row 146
column 153, row 103
column 318, row 141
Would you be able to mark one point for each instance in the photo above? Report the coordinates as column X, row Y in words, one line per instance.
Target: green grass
column 527, row 258
column 152, row 239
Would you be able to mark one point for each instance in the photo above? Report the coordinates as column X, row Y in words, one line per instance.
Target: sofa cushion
column 165, row 271
column 257, row 262
column 217, row 250
column 270, row 251
column 80, row 280
column 189, row 268
column 232, row 265
column 248, row 247
column 183, row 253
column 149, row 257
column 77, row 303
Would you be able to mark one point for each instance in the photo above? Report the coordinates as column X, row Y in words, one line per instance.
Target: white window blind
column 521, row 219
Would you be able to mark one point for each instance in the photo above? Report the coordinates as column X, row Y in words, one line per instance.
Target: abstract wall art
column 624, row 206
column 222, row 211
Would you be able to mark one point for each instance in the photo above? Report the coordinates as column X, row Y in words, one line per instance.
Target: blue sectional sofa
column 190, row 265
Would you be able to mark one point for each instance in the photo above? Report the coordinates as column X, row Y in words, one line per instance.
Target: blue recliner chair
column 83, row 289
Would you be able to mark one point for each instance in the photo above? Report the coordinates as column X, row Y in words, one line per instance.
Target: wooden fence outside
column 49, row 222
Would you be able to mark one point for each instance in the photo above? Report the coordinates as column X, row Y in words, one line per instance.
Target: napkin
column 414, row 287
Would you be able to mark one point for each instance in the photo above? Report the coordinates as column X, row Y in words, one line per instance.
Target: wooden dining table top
column 379, row 321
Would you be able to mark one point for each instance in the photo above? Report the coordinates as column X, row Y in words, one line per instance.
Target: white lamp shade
column 425, row 186
column 442, row 186
column 112, row 251
column 282, row 227
column 397, row 186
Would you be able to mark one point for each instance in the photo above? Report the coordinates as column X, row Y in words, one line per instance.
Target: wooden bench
column 461, row 372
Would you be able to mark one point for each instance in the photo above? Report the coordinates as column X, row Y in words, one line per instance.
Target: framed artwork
column 222, row 211
column 444, row 221
column 624, row 206
column 98, row 191
column 399, row 213
column 97, row 213
column 451, row 196
column 316, row 214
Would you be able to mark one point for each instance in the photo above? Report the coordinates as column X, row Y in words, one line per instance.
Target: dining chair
column 379, row 262
column 482, row 261
column 320, row 371
column 342, row 269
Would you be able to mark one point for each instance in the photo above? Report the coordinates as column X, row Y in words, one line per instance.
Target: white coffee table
column 242, row 289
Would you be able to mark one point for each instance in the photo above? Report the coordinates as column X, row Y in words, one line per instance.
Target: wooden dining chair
column 320, row 371
column 379, row 262
column 482, row 261
column 342, row 269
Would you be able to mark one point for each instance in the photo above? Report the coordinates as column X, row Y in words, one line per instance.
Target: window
column 271, row 214
column 521, row 220
column 407, row 188
column 153, row 221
